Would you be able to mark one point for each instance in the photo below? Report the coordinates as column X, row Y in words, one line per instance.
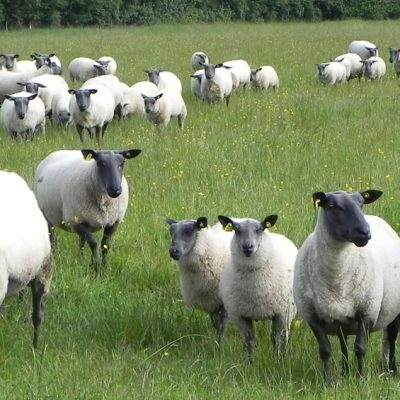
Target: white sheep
column 23, row 115
column 347, row 276
column 132, row 103
column 60, row 111
column 198, row 59
column 83, row 68
column 331, row 73
column 240, row 71
column 216, row 84
column 146, row 87
column 257, row 283
column 110, row 63
column 12, row 64
column 201, row 254
column 264, row 77
column 163, row 106
column 363, row 48
column 40, row 59
column 394, row 58
column 374, row 68
column 92, row 108
column 84, row 192
column 164, row 80
column 351, row 61
column 25, row 253
column 195, row 83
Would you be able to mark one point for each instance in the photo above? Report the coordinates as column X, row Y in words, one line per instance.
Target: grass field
column 127, row 334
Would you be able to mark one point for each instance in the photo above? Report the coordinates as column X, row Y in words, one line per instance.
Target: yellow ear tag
column 366, row 195
column 202, row 225
column 89, row 157
column 316, row 203
column 228, row 227
column 268, row 225
column 128, row 154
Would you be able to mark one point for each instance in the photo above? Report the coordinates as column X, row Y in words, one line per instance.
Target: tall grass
column 127, row 334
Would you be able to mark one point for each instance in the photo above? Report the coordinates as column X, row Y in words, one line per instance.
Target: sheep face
column 154, row 75
column 394, row 55
column 100, row 69
column 368, row 66
column 248, row 233
column 342, row 217
column 184, row 236
column 21, row 104
column 41, row 59
column 9, row 60
column 82, row 97
column 373, row 51
column 110, row 167
column 150, row 103
column 32, row 87
column 209, row 70
column 321, row 69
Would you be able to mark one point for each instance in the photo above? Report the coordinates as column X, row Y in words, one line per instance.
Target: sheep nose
column 174, row 253
column 21, row 116
column 248, row 249
column 114, row 192
column 361, row 237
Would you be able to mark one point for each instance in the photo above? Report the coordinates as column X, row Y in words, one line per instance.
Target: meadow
column 127, row 334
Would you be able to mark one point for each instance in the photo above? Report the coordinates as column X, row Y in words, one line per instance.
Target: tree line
column 53, row 13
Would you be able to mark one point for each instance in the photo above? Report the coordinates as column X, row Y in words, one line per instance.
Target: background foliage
column 17, row 13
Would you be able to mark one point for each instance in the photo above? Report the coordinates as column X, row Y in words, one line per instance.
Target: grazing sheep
column 83, row 68
column 264, row 77
column 347, row 276
column 23, row 115
column 92, row 109
column 351, row 62
column 201, row 254
column 198, row 59
column 164, row 80
column 395, row 59
column 257, row 283
column 195, row 83
column 83, row 192
column 132, row 103
column 164, row 106
column 374, row 68
column 25, row 253
column 331, row 73
column 60, row 111
column 110, row 63
column 363, row 48
column 240, row 71
column 216, row 84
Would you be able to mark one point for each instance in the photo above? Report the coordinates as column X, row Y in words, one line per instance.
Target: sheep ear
column 144, row 96
column 92, row 91
column 9, row 97
column 16, row 55
column 220, row 65
column 71, row 91
column 32, row 97
column 130, row 153
column 21, row 83
column 258, row 69
column 159, row 96
column 370, row 196
column 88, row 154
column 319, row 199
column 269, row 221
column 52, row 54
column 226, row 222
column 170, row 221
column 201, row 223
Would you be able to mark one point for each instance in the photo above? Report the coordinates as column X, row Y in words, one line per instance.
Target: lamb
column 92, row 109
column 346, row 279
column 25, row 252
column 84, row 192
column 240, row 71
column 201, row 254
column 83, row 68
column 351, row 61
column 374, row 68
column 331, row 73
column 60, row 111
column 23, row 115
column 164, row 106
column 264, row 77
column 217, row 83
column 164, row 80
column 363, row 48
column 110, row 63
column 257, row 283
column 198, row 59
column 195, row 83
column 395, row 59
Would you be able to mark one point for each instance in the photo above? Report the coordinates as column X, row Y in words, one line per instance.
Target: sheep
column 374, row 68
column 164, row 106
column 110, row 63
column 132, row 103
column 40, row 59
column 240, row 71
column 257, row 283
column 351, row 61
column 164, row 79
column 264, row 77
column 84, row 192
column 395, row 59
column 92, row 108
column 331, row 73
column 83, row 68
column 198, row 59
column 195, row 83
column 23, row 115
column 145, row 87
column 60, row 111
column 347, row 277
column 12, row 64
column 25, row 252
column 216, row 84
column 46, row 86
column 363, row 48
column 201, row 254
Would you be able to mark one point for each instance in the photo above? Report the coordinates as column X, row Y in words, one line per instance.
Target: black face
column 154, row 76
column 209, row 70
column 83, row 99
column 183, row 237
column 110, row 168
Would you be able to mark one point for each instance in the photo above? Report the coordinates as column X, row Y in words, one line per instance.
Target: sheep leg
column 324, row 348
column 227, row 100
column 246, row 327
column 389, row 346
column 345, row 353
column 37, row 288
column 106, row 240
column 84, row 233
column 361, row 342
column 218, row 319
column 79, row 129
column 181, row 121
column 279, row 335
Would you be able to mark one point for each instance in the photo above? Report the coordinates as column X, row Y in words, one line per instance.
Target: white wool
column 352, row 63
column 334, row 73
column 219, row 87
column 82, row 68
column 265, row 78
column 374, row 68
column 240, row 72
column 363, row 48
column 60, row 108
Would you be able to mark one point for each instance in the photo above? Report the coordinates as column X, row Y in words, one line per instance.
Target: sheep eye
column 331, row 205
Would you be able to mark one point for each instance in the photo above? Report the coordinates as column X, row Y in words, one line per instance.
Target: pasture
column 127, row 334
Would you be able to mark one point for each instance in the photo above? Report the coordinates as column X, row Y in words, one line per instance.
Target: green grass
column 127, row 334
